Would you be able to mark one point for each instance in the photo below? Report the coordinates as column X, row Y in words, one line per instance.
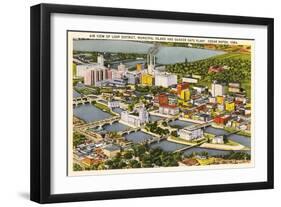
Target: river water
column 90, row 113
column 165, row 55
column 180, row 124
column 138, row 137
column 246, row 141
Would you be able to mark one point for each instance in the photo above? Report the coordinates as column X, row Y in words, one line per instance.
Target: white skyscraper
column 135, row 120
column 217, row 89
column 151, row 61
column 165, row 79
column 100, row 60
column 122, row 68
column 95, row 75
column 143, row 114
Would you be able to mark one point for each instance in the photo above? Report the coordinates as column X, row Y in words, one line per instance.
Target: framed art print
column 132, row 103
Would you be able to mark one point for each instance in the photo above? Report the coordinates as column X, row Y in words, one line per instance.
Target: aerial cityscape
column 156, row 104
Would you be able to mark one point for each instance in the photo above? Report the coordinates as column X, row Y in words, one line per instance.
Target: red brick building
column 221, row 119
column 182, row 86
column 215, row 69
column 163, row 99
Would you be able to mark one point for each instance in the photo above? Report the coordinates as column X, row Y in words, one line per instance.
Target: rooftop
column 112, row 147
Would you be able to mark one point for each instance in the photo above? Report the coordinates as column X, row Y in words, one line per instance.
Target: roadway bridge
column 228, row 134
column 153, row 140
column 185, row 148
column 131, row 130
column 153, row 50
column 82, row 100
column 170, row 119
column 101, row 123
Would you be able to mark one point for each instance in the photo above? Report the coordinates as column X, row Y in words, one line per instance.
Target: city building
column 196, row 76
column 215, row 69
column 122, row 68
column 168, row 110
column 200, row 89
column 212, row 100
column 165, row 79
column 113, row 104
column 220, row 107
column 190, row 80
column 221, row 119
column 185, row 95
column 100, row 60
column 133, row 77
column 151, row 61
column 241, row 97
column 218, row 140
column 81, row 69
column 95, row 75
column 217, row 89
column 139, row 67
column 136, row 118
column 229, row 106
column 117, row 82
column 172, row 100
column 182, row 86
column 247, row 111
column 220, row 99
column 147, row 79
column 204, row 117
column 191, row 132
column 88, row 162
column 162, row 99
column 234, row 88
column 109, row 74
column 111, row 150
column 117, row 74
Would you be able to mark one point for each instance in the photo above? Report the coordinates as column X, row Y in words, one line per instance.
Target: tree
column 128, row 155
column 78, row 139
column 174, row 133
column 122, row 164
column 131, row 107
column 77, row 167
column 134, row 164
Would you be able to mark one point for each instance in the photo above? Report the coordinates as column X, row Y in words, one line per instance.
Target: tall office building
column 100, row 60
column 136, row 120
column 96, row 75
column 217, row 89
column 165, row 79
column 122, row 68
column 151, row 61
column 182, row 86
column 147, row 79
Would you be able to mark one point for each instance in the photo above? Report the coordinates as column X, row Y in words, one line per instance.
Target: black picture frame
column 41, row 105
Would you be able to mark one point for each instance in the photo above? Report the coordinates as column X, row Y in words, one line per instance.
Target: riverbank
column 235, row 147
column 180, row 141
column 224, row 146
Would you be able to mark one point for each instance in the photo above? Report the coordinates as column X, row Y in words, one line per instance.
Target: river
column 180, row 124
column 246, row 141
column 165, row 55
column 89, row 113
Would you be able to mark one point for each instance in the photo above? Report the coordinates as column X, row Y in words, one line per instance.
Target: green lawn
column 247, row 86
column 74, row 69
column 102, row 106
column 243, row 56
